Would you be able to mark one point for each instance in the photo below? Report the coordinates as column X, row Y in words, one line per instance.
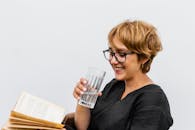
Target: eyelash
column 120, row 54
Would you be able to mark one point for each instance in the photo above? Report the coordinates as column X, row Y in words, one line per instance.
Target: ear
column 143, row 61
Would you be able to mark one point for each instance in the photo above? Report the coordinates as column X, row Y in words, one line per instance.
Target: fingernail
column 84, row 89
column 81, row 92
column 84, row 81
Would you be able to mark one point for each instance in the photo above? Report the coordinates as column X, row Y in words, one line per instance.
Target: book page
column 10, row 126
column 39, row 108
column 38, row 120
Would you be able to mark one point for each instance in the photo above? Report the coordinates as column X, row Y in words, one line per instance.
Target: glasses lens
column 107, row 54
column 120, row 57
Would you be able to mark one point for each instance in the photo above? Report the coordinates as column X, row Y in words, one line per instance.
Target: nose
column 113, row 60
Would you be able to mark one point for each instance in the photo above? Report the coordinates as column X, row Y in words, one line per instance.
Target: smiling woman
column 138, row 37
column 131, row 101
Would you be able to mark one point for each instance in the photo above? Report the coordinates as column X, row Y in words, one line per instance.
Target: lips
column 118, row 70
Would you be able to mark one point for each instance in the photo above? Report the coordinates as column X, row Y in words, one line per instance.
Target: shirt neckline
column 135, row 91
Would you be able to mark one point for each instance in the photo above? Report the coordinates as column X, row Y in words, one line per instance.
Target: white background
column 47, row 45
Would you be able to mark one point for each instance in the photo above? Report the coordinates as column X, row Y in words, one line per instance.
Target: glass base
column 86, row 104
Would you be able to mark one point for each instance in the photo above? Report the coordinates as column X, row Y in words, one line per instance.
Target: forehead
column 117, row 45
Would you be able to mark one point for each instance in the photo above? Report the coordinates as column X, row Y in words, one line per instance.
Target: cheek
column 132, row 64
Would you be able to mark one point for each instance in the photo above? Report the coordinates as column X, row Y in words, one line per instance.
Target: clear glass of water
column 94, row 79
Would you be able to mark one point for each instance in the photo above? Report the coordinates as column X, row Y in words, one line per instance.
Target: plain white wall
column 47, row 45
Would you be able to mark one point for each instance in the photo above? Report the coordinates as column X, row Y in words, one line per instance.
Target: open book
column 31, row 113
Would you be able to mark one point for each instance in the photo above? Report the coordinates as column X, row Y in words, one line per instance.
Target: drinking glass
column 94, row 79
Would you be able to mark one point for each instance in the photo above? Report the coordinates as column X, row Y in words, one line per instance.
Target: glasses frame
column 116, row 54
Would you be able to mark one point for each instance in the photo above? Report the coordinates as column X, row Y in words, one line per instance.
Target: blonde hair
column 140, row 38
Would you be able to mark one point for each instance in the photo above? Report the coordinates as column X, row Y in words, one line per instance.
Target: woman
column 131, row 101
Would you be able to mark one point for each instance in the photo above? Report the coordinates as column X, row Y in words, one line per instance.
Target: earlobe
column 142, row 66
column 144, row 61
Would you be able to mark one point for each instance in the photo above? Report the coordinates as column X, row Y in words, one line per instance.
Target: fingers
column 99, row 94
column 80, row 88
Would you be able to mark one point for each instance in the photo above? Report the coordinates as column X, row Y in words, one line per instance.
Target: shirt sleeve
column 150, row 118
column 151, row 113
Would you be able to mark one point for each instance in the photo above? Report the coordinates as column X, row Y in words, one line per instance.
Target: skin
column 129, row 71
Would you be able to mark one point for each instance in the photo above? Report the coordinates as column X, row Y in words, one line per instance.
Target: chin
column 119, row 77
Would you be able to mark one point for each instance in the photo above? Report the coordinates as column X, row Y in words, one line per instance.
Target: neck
column 137, row 81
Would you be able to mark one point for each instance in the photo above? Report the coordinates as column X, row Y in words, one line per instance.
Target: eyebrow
column 118, row 50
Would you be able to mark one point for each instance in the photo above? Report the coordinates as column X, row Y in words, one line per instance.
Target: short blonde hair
column 140, row 38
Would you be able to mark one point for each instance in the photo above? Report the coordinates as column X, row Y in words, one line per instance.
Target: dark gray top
column 144, row 109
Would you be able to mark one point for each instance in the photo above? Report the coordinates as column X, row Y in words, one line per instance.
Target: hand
column 80, row 89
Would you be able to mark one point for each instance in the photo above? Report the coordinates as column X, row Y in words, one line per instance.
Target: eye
column 111, row 53
column 122, row 54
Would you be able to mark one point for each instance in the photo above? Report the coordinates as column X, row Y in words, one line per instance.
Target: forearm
column 82, row 117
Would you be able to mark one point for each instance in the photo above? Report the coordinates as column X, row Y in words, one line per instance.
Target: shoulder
column 113, row 84
column 112, row 88
column 152, row 96
column 151, row 105
column 151, row 93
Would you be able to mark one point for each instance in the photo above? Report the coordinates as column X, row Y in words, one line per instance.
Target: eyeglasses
column 119, row 56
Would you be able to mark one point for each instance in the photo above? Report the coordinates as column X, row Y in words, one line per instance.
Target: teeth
column 117, row 68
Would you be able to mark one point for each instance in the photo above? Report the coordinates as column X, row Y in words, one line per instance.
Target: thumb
column 99, row 94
